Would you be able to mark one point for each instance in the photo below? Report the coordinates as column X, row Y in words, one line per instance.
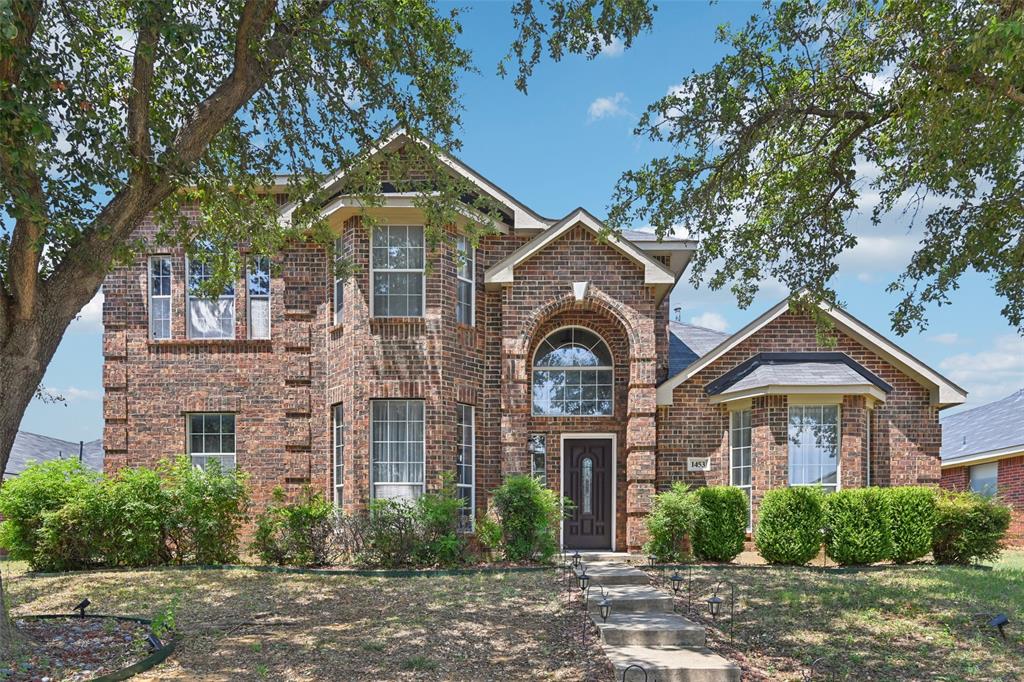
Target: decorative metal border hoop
column 152, row 660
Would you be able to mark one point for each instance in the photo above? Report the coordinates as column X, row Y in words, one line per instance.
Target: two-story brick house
column 545, row 350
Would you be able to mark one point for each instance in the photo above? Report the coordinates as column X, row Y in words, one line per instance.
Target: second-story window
column 258, row 278
column 339, row 284
column 160, row 297
column 465, row 269
column 209, row 318
column 397, row 260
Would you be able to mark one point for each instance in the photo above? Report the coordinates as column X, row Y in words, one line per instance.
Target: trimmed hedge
column 789, row 525
column 857, row 529
column 528, row 516
column 911, row 512
column 722, row 528
column 968, row 528
column 671, row 524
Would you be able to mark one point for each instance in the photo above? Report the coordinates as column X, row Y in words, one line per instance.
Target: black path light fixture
column 82, row 606
column 677, row 584
column 809, row 673
column 576, row 558
column 1000, row 622
column 583, row 580
column 715, row 605
column 652, row 560
column 604, row 606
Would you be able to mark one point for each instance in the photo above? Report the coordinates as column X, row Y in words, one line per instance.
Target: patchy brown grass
column 240, row 624
column 919, row 622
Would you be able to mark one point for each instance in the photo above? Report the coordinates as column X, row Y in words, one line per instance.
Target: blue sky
column 564, row 145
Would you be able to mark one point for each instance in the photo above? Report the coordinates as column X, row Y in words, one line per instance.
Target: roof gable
column 503, row 272
column 943, row 391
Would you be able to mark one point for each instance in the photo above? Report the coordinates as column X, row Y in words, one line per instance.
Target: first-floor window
column 814, row 445
column 211, row 438
column 984, row 478
column 160, row 297
column 397, row 449
column 466, row 458
column 338, row 446
column 739, row 455
column 539, row 457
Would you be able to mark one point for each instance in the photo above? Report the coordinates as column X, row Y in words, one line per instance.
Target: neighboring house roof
column 797, row 373
column 31, row 447
column 688, row 342
column 943, row 391
column 656, row 274
column 982, row 433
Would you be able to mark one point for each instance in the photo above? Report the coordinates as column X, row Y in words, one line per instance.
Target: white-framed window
column 539, row 457
column 984, row 478
column 398, row 454
column 258, row 297
column 465, row 305
column 160, row 297
column 339, row 284
column 814, row 445
column 740, row 456
column 211, row 438
column 465, row 486
column 338, row 447
column 396, row 262
column 209, row 318
column 572, row 375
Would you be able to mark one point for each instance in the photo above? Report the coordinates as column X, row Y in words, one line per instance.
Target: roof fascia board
column 402, row 200
column 982, row 457
column 799, row 389
column 503, row 272
column 722, row 383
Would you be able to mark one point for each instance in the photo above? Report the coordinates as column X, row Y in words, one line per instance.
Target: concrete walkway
column 643, row 629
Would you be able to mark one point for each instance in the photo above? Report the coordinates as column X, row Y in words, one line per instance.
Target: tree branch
column 141, row 88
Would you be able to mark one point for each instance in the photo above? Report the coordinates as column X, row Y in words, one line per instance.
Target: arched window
column 572, row 375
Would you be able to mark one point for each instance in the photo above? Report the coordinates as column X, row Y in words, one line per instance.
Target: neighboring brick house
column 983, row 451
column 545, row 350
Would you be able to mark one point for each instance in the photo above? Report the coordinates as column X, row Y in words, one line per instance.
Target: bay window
column 397, row 449
column 160, row 297
column 814, row 445
column 465, row 282
column 740, row 456
column 209, row 318
column 258, row 298
column 465, row 464
column 396, row 260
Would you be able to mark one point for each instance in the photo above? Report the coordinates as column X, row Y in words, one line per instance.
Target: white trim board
column 944, row 392
column 562, row 437
column 987, row 456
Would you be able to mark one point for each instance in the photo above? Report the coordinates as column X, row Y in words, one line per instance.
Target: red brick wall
column 1011, row 490
column 905, row 436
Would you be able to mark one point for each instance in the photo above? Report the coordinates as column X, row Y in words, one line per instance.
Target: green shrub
column 70, row 536
column 857, row 527
column 206, row 511
column 437, row 516
column 722, row 527
column 529, row 515
column 304, row 533
column 134, row 510
column 671, row 524
column 488, row 533
column 26, row 498
column 911, row 521
column 389, row 534
column 968, row 528
column 789, row 525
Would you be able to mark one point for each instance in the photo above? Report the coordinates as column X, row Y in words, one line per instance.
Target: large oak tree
column 112, row 110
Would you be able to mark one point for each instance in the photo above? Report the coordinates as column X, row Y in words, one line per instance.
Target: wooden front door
column 588, row 483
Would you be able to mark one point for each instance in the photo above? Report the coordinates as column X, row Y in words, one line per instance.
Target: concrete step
column 650, row 629
column 589, row 557
column 615, row 574
column 672, row 664
column 632, row 598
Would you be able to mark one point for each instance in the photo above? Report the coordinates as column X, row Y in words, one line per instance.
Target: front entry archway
column 588, row 479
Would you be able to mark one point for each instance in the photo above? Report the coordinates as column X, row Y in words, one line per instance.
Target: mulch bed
column 75, row 649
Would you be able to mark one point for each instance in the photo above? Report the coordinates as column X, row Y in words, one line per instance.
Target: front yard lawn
column 915, row 623
column 240, row 624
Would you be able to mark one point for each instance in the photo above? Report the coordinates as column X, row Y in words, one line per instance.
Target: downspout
column 869, row 413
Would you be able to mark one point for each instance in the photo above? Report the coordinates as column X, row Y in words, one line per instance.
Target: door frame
column 614, row 438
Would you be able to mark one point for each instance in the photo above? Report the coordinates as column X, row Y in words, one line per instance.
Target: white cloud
column 90, row 317
column 608, row 107
column 865, row 277
column 946, row 338
column 711, row 320
column 613, row 48
column 991, row 374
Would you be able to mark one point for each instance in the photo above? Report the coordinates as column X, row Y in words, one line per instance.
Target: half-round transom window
column 572, row 375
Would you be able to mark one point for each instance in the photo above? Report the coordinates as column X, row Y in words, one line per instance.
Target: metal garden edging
column 152, row 660
column 361, row 572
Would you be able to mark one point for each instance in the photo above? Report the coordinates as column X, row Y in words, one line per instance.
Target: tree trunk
column 25, row 353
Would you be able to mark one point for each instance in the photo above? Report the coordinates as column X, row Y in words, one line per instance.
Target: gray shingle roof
column 995, row 426
column 31, row 447
column 688, row 342
column 800, row 374
column 645, row 236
